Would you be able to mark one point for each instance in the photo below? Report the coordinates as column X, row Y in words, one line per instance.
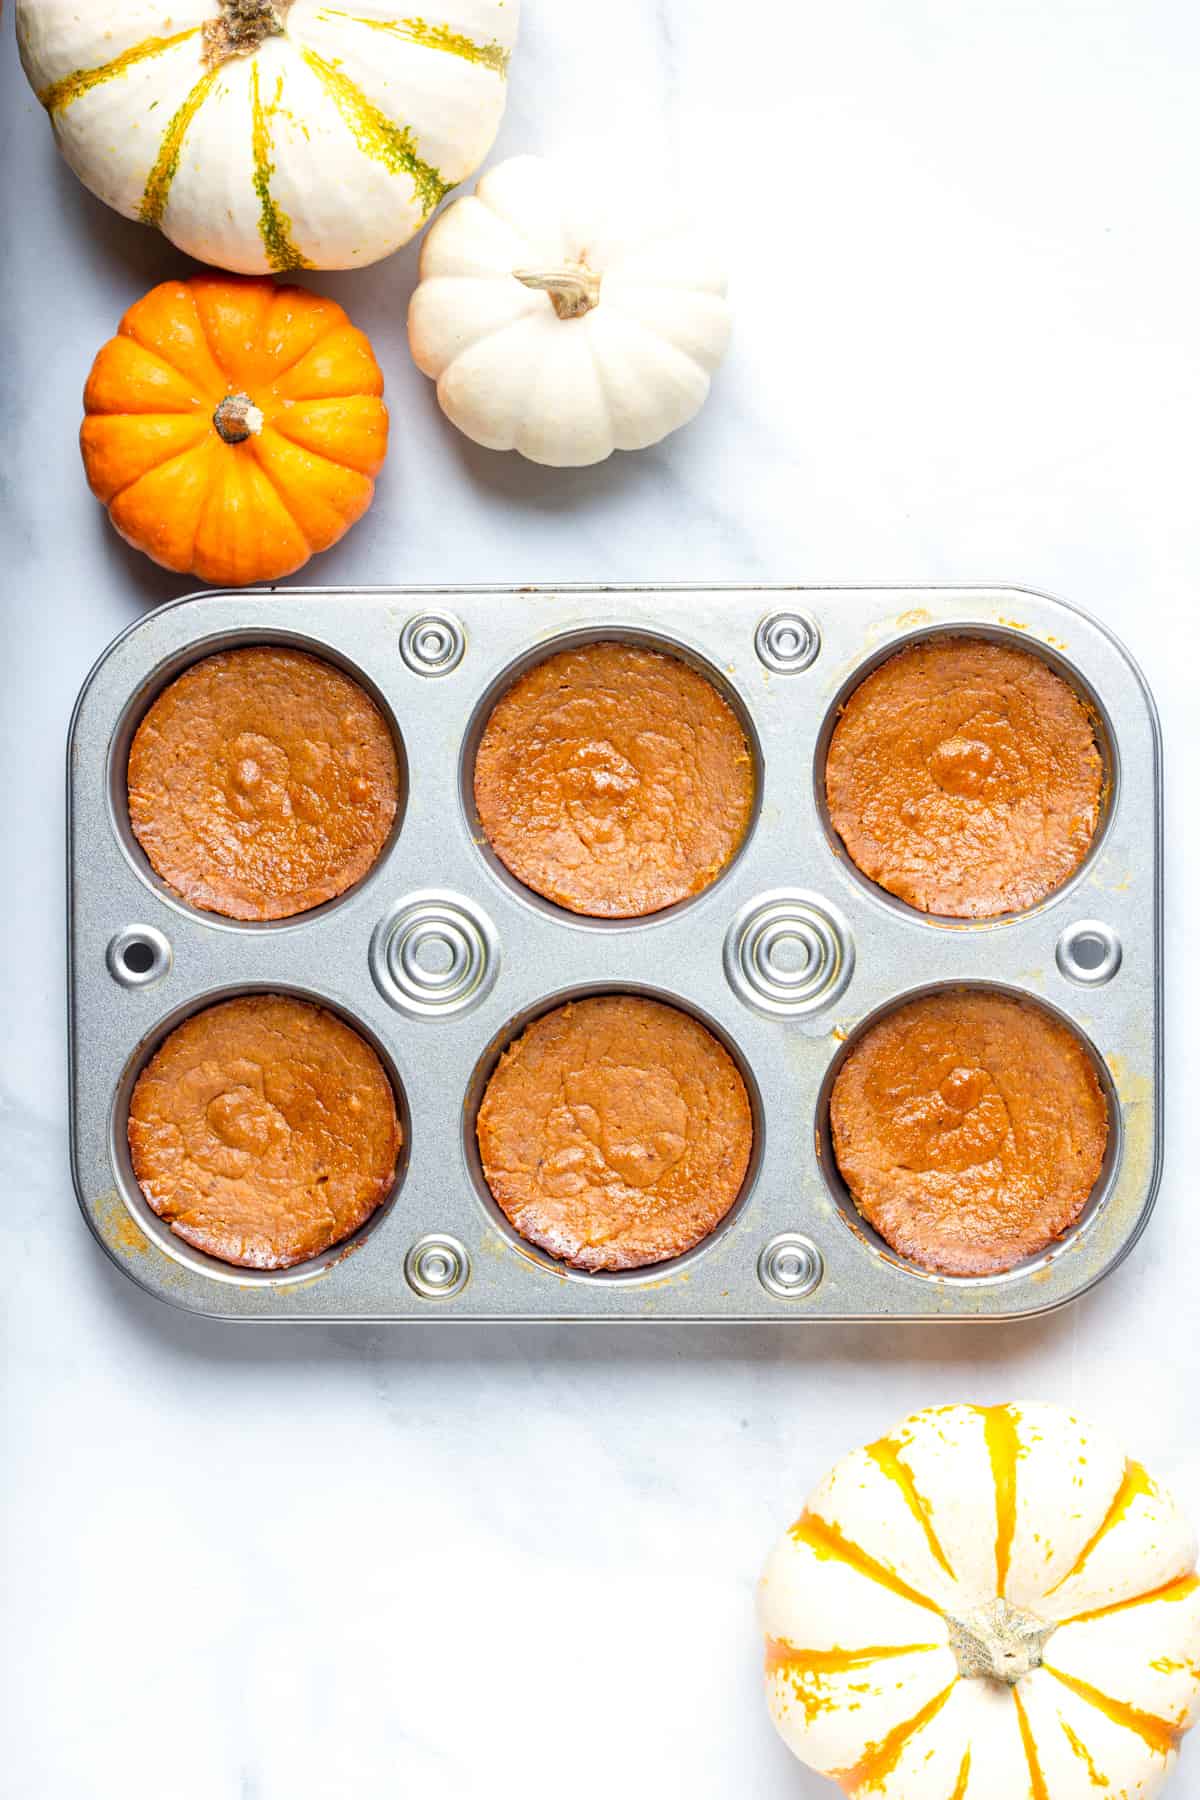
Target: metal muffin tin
column 439, row 957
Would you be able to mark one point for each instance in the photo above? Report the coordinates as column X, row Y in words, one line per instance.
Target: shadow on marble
column 120, row 250
column 131, row 571
column 505, row 476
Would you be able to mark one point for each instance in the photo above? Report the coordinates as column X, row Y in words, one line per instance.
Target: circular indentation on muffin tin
column 789, row 952
column 138, row 956
column 138, row 705
column 866, row 1233
column 1088, row 952
column 157, row 1230
column 433, row 643
column 434, row 953
column 790, row 1267
column 787, row 642
column 532, row 1253
column 1106, row 743
column 437, row 1267
column 636, row 638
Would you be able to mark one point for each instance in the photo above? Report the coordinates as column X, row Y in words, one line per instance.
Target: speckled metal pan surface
column 439, row 957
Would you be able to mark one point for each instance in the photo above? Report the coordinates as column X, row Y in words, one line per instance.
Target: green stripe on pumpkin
column 274, row 226
column 158, row 182
column 61, row 93
column 392, row 145
column 433, row 37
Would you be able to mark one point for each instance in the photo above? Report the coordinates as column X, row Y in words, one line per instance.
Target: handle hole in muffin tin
column 866, row 1234
column 138, row 956
column 638, row 639
column 498, row 1219
column 139, row 704
column 1011, row 638
column 1088, row 952
column 158, row 1231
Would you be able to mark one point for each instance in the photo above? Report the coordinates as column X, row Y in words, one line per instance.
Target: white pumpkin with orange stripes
column 991, row 1603
column 271, row 134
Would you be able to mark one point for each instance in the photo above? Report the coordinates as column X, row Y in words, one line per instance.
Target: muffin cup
column 862, row 1228
column 636, row 638
column 1106, row 743
column 499, row 1221
column 157, row 1232
column 156, row 681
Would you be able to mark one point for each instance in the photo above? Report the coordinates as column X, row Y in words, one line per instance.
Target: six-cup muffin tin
column 439, row 957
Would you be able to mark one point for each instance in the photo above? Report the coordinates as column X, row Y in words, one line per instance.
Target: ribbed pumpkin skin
column 270, row 135
column 234, row 513
column 619, row 367
column 989, row 1603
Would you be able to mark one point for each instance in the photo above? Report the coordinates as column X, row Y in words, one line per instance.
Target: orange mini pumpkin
column 234, row 427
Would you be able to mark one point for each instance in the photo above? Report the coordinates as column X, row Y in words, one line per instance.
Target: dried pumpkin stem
column 242, row 27
column 573, row 291
column 237, row 418
column 998, row 1642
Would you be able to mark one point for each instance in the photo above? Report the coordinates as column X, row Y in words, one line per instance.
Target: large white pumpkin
column 271, row 134
column 991, row 1603
column 564, row 315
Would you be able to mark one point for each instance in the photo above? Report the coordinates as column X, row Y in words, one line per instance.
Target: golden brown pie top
column 264, row 1130
column 964, row 777
column 970, row 1128
column 262, row 782
column 614, row 781
column 615, row 1132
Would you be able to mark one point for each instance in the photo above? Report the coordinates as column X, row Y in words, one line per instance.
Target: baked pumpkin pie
column 614, row 780
column 964, row 777
column 970, row 1128
column 615, row 1132
column 262, row 782
column 264, row 1131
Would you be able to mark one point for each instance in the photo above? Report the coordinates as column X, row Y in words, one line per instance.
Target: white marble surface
column 299, row 1564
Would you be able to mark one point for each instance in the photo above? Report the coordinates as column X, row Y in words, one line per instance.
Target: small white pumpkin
column 271, row 134
column 990, row 1603
column 553, row 332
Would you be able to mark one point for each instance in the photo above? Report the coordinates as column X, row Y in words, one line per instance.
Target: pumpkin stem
column 241, row 28
column 237, row 418
column 573, row 291
column 998, row 1642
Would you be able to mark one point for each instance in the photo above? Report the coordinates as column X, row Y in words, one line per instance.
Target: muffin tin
column 439, row 957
